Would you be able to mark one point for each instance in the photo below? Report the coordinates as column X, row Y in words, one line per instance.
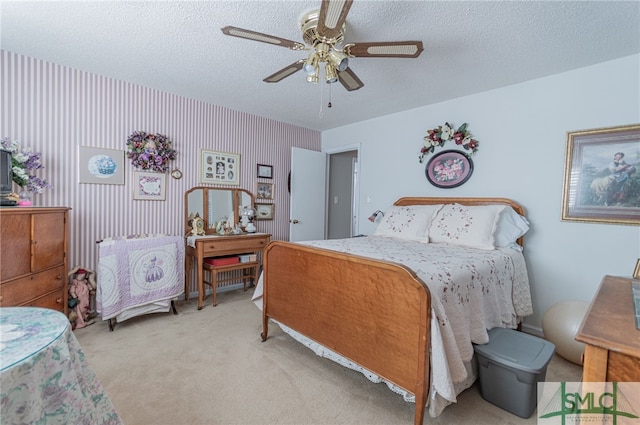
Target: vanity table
column 200, row 247
column 214, row 205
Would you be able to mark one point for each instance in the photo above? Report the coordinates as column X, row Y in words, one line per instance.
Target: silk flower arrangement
column 442, row 134
column 24, row 162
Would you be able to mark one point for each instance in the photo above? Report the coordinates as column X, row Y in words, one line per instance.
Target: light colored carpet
column 211, row 367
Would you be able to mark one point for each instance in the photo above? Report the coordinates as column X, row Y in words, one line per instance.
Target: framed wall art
column 149, row 186
column 219, row 167
column 264, row 211
column 448, row 169
column 102, row 166
column 264, row 190
column 602, row 176
column 265, row 171
column 176, row 174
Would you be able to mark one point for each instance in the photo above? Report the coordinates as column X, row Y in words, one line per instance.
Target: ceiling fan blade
column 333, row 14
column 264, row 38
column 388, row 49
column 350, row 80
column 285, row 72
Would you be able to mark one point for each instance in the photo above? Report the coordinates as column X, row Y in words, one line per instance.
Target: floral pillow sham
column 472, row 226
column 408, row 222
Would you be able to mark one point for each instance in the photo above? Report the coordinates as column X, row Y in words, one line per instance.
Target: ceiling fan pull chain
column 329, row 104
column 321, row 112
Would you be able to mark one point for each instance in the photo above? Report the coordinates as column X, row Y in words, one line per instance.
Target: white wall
column 522, row 130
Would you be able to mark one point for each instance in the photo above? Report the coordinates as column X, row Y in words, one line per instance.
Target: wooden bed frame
column 375, row 313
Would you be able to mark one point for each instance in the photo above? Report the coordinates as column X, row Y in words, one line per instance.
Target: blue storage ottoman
column 510, row 366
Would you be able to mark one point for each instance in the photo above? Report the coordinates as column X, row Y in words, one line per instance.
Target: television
column 6, row 178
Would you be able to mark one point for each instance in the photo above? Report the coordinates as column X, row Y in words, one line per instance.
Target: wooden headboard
column 464, row 201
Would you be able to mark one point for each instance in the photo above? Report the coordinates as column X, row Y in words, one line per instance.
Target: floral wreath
column 439, row 136
column 150, row 151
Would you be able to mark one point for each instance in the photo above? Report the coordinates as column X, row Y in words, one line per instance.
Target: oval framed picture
column 449, row 169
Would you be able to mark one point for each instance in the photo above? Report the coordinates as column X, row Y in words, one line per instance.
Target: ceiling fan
column 323, row 33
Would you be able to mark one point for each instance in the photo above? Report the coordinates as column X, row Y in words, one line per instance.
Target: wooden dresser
column 612, row 342
column 33, row 257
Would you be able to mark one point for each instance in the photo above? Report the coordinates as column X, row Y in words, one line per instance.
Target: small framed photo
column 264, row 211
column 602, row 176
column 219, row 167
column 264, row 190
column 102, row 166
column 149, row 186
column 265, row 171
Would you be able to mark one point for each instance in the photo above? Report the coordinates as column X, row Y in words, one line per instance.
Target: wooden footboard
column 375, row 313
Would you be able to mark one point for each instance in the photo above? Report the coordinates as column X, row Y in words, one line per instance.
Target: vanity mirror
column 215, row 204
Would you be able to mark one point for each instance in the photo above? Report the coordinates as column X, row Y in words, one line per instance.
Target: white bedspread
column 472, row 291
column 139, row 275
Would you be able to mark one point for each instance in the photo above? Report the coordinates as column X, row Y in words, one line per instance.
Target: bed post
column 265, row 325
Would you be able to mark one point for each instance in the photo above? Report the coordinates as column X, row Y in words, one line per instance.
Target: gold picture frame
column 602, row 176
column 264, row 211
column 264, row 190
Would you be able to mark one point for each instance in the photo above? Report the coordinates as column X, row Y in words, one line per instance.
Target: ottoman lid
column 516, row 349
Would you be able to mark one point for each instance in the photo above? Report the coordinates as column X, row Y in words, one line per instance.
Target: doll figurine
column 81, row 288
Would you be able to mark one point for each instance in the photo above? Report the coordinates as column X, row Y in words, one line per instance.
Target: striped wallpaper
column 55, row 109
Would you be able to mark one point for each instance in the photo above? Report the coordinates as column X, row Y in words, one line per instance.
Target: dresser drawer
column 54, row 301
column 234, row 246
column 20, row 291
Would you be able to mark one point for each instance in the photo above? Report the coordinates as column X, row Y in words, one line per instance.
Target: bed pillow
column 511, row 226
column 471, row 226
column 408, row 222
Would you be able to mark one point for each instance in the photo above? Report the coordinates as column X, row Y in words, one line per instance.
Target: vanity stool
column 249, row 273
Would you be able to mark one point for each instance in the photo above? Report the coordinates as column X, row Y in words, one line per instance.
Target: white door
column 308, row 195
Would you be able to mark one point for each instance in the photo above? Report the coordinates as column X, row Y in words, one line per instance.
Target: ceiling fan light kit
column 313, row 77
column 323, row 33
column 339, row 60
column 311, row 64
column 330, row 73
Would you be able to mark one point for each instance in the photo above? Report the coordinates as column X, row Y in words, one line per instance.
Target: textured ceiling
column 178, row 47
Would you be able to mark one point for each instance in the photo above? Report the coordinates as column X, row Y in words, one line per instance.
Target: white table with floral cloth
column 44, row 375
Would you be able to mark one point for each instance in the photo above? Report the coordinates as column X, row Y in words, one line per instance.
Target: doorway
column 342, row 194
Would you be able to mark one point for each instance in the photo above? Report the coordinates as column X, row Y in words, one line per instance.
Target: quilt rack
column 137, row 275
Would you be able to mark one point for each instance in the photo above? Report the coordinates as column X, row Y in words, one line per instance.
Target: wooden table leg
column 200, row 288
column 187, row 275
column 214, row 286
column 594, row 368
column 200, row 275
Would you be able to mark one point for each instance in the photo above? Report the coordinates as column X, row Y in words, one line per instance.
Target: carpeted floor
column 211, row 367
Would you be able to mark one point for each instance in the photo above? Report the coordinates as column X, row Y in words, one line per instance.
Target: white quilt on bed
column 139, row 274
column 472, row 290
